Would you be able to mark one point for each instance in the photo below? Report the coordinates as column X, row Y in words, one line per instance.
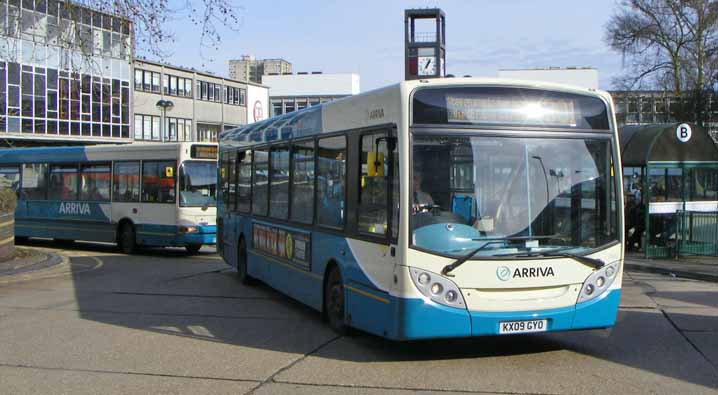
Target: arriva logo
column 74, row 208
column 503, row 273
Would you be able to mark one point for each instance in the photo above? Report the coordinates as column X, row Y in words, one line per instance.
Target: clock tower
column 424, row 41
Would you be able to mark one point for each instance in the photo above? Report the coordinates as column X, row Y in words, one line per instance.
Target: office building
column 201, row 105
column 64, row 74
column 290, row 92
column 249, row 69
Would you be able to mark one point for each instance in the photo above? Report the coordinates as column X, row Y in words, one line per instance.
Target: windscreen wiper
column 489, row 241
column 588, row 261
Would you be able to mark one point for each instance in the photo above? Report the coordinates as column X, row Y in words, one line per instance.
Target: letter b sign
column 683, row 132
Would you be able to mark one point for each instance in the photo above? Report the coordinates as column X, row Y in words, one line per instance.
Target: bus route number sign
column 204, row 152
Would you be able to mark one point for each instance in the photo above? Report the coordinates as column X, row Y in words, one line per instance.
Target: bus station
column 670, row 179
column 474, row 219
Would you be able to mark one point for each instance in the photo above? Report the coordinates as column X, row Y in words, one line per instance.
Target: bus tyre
column 242, row 274
column 127, row 241
column 193, row 248
column 334, row 301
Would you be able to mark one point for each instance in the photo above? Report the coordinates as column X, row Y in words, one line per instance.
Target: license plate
column 523, row 326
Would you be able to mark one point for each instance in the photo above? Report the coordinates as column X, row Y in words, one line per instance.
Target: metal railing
column 697, row 233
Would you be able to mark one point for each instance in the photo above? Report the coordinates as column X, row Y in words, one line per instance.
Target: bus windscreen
column 508, row 106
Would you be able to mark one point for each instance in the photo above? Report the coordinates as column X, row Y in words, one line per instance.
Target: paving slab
column 51, row 381
column 643, row 353
column 230, row 348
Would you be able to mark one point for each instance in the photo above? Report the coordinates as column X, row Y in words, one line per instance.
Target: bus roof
column 377, row 107
column 81, row 153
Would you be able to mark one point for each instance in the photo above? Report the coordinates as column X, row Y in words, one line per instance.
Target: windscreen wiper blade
column 588, row 261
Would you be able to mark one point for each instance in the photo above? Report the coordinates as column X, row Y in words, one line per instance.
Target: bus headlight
column 598, row 282
column 187, row 229
column 437, row 288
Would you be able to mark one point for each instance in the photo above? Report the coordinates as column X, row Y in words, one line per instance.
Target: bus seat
column 462, row 205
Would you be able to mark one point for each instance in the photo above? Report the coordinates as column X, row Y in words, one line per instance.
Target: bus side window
column 260, row 180
column 331, row 180
column 244, row 181
column 95, row 182
column 63, row 182
column 279, row 182
column 126, row 183
column 10, row 178
column 303, row 182
column 34, row 181
column 157, row 185
column 373, row 189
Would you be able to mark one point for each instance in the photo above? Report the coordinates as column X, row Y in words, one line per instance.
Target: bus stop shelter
column 670, row 182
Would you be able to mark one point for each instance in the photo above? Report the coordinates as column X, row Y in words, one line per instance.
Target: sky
column 367, row 37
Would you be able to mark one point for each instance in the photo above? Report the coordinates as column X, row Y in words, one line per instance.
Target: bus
column 161, row 195
column 434, row 208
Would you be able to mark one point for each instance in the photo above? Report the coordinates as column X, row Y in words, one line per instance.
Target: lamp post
column 164, row 106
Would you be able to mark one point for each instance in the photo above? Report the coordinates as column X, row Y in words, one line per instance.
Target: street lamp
column 164, row 106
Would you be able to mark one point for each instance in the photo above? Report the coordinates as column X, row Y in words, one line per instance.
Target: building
column 290, row 92
column 247, row 68
column 586, row 77
column 202, row 104
column 63, row 86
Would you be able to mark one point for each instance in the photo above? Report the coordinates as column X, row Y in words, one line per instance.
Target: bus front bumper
column 206, row 234
column 426, row 319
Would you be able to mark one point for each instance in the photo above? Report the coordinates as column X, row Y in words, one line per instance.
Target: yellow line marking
column 156, row 234
column 367, row 294
column 42, row 275
column 9, row 239
column 308, row 273
column 10, row 222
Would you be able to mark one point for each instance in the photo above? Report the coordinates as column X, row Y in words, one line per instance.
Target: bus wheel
column 334, row 302
column 242, row 274
column 193, row 248
column 127, row 241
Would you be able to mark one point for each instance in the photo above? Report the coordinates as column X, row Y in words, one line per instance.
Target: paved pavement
column 166, row 322
column 703, row 268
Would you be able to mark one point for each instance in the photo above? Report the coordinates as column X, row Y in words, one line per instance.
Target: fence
column 697, row 233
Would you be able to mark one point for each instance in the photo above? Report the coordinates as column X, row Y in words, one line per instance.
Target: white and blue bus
column 433, row 208
column 133, row 195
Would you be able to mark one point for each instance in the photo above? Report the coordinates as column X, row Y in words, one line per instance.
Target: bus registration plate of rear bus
column 509, row 327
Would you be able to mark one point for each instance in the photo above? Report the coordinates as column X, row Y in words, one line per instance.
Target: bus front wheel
column 193, row 248
column 334, row 302
column 242, row 274
column 127, row 241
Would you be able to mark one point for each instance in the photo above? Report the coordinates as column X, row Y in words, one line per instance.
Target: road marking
column 52, row 272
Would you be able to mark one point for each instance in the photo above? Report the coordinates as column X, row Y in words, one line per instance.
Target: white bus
column 132, row 195
column 433, row 208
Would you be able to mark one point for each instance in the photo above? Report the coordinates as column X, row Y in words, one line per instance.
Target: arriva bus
column 124, row 194
column 433, row 208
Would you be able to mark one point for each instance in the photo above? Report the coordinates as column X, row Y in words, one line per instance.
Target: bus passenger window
column 303, row 182
column 126, row 183
column 261, row 173
column 34, row 181
column 158, row 182
column 95, row 182
column 372, row 210
column 331, row 177
column 63, row 182
column 279, row 188
column 244, row 181
column 10, row 177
